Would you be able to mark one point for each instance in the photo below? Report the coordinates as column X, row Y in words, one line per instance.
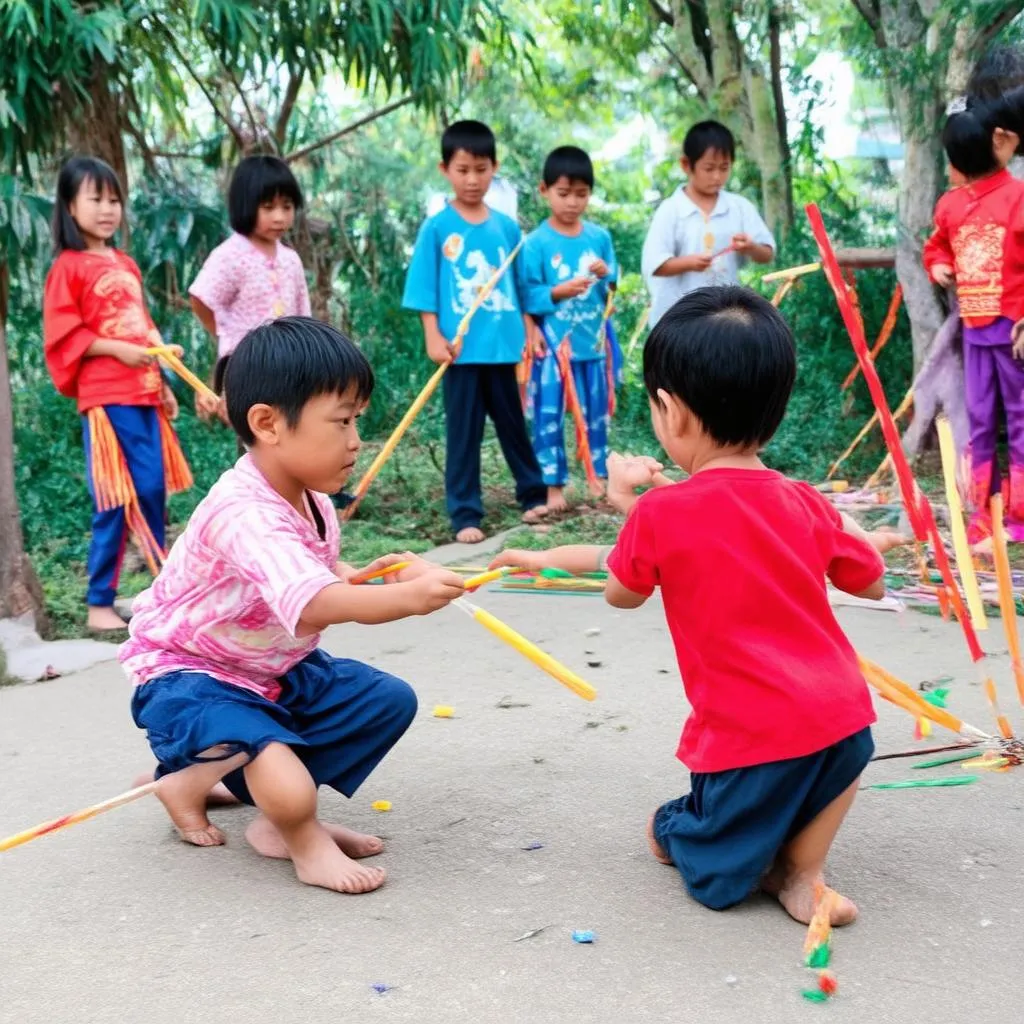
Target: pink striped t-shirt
column 232, row 591
column 244, row 288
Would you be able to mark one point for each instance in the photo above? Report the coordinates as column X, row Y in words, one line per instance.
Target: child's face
column 97, row 212
column 470, row 176
column 708, row 175
column 274, row 219
column 568, row 200
column 1004, row 146
column 320, row 451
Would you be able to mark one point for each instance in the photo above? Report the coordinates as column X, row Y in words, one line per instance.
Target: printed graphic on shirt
column 581, row 309
column 470, row 278
column 452, row 247
column 124, row 293
column 979, row 268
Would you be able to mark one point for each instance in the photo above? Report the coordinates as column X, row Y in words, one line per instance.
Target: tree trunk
column 766, row 147
column 20, row 591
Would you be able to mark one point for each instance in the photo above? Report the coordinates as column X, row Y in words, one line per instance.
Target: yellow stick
column 782, row 291
column 483, row 578
column 541, row 659
column 641, row 324
column 428, row 389
column 376, row 574
column 908, row 400
column 791, row 272
column 171, row 359
column 961, row 549
column 877, row 475
column 1007, row 604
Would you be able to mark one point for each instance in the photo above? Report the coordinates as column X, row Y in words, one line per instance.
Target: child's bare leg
column 264, row 838
column 219, row 796
column 184, row 794
column 102, row 618
column 286, row 794
column 556, row 501
column 801, row 865
column 656, row 848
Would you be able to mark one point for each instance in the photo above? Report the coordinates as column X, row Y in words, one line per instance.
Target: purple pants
column 995, row 384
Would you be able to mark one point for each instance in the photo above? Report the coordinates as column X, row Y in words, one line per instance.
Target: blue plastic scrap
column 584, row 937
column 380, row 988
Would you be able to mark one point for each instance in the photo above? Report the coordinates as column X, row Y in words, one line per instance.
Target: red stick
column 573, row 402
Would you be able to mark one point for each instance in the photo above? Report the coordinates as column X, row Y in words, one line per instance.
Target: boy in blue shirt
column 457, row 251
column 569, row 267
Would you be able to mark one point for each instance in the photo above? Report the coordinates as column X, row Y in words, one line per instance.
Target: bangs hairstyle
column 287, row 362
column 76, row 173
column 708, row 136
column 967, row 140
column 258, row 180
column 472, row 137
column 729, row 356
column 569, row 162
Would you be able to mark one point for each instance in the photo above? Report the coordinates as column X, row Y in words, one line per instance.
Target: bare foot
column 534, row 515
column 796, row 894
column 219, row 796
column 470, row 535
column 265, row 839
column 556, row 500
column 319, row 861
column 184, row 797
column 659, row 854
column 597, row 488
column 104, row 619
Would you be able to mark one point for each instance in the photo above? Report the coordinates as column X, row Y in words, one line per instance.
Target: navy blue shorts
column 727, row 831
column 339, row 716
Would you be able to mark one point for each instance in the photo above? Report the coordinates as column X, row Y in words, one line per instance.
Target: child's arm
column 659, row 258
column 575, row 558
column 204, row 315
column 439, row 348
column 857, row 567
column 754, row 241
column 626, row 473
column 759, row 252
column 937, row 255
column 422, row 292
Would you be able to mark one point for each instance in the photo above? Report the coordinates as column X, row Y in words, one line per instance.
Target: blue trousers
column 339, row 716
column 547, row 401
column 471, row 394
column 138, row 432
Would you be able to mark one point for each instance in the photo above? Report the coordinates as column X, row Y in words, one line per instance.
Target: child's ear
column 675, row 413
column 684, row 162
column 542, row 188
column 266, row 423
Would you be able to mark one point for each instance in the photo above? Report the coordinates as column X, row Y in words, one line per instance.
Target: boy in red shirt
column 780, row 728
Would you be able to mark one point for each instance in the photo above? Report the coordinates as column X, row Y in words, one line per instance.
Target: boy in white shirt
column 702, row 235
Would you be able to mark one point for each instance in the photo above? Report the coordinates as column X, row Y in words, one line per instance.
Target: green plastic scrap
column 813, row 995
column 951, row 780
column 957, row 755
column 937, row 697
column 556, row 574
column 819, row 956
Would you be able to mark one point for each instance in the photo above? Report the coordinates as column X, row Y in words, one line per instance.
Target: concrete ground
column 115, row 920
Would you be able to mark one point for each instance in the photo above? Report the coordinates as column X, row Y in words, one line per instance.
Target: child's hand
column 943, row 275
column 131, row 354
column 1018, row 339
column 439, row 349
column 742, row 242
column 698, row 263
column 434, row 589
column 207, row 406
column 627, row 472
column 599, row 268
column 531, row 561
column 884, row 541
column 571, row 289
column 169, row 402
column 535, row 338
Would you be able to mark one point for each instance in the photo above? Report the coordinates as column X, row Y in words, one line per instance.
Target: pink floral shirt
column 244, row 288
column 233, row 589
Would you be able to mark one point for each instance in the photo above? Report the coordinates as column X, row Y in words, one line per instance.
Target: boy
column 687, row 241
column 223, row 649
column 569, row 268
column 780, row 727
column 457, row 251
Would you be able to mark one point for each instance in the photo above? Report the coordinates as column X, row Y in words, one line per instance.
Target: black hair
column 967, row 139
column 287, row 362
column 568, row 162
column 473, row 137
column 75, row 173
column 708, row 136
column 257, row 180
column 999, row 70
column 728, row 355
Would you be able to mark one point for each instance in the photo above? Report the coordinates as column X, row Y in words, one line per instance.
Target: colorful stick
column 428, row 389
column 483, row 578
column 376, row 574
column 961, row 549
column 540, row 658
column 170, row 357
column 901, row 409
column 791, row 272
column 73, row 819
column 1004, row 579
column 888, row 326
column 572, row 400
column 782, row 291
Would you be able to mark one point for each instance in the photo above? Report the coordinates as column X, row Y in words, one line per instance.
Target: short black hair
column 258, row 180
column 287, row 362
column 728, row 354
column 75, row 173
column 967, row 140
column 708, row 136
column 568, row 162
column 473, row 137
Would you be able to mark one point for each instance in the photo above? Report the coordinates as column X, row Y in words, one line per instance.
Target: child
column 702, row 235
column 96, row 330
column 977, row 242
column 252, row 277
column 229, row 681
column 569, row 267
column 779, row 731
column 457, row 251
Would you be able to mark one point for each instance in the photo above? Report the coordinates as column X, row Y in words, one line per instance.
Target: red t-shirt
column 741, row 557
column 90, row 295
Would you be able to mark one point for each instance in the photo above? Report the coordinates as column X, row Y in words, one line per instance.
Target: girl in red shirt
column 96, row 330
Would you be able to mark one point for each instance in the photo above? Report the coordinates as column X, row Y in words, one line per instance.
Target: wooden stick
column 791, row 272
column 1004, row 580
column 73, row 819
column 638, row 330
column 428, row 389
column 173, row 362
column 782, row 291
column 900, row 411
column 888, row 326
column 376, row 574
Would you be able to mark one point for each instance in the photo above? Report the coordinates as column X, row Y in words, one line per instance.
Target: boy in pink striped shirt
column 230, row 683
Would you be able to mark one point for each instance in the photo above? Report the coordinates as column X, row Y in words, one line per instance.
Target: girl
column 252, row 277
column 96, row 330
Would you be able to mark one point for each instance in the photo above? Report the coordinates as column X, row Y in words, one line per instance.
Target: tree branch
column 662, row 14
column 779, row 102
column 690, row 54
column 298, row 154
column 682, row 67
column 284, row 115
column 986, row 33
column 245, row 102
column 868, row 10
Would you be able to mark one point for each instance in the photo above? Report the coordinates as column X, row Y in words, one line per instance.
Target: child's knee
column 398, row 701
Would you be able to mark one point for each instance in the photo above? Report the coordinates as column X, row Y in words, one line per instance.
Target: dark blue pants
column 138, row 432
column 727, row 831
column 471, row 394
column 339, row 716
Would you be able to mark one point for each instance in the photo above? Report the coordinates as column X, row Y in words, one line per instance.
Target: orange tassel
column 177, row 475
